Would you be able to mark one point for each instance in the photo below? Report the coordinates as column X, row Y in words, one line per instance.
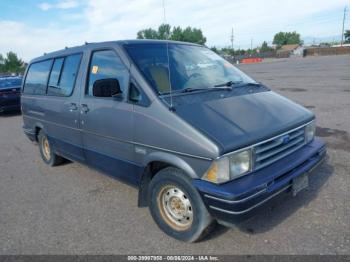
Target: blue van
column 202, row 141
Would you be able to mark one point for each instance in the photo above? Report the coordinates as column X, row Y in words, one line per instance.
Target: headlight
column 310, row 130
column 240, row 163
column 229, row 167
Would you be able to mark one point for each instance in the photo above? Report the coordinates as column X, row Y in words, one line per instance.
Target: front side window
column 106, row 64
column 183, row 66
column 63, row 75
column 37, row 76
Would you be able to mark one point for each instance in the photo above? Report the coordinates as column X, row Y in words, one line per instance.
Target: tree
column 11, row 63
column 347, row 36
column 214, row 49
column 265, row 47
column 147, row 34
column 228, row 51
column 286, row 38
column 177, row 34
column 193, row 35
column 164, row 31
column 2, row 64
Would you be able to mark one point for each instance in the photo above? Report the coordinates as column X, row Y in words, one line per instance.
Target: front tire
column 177, row 207
column 47, row 152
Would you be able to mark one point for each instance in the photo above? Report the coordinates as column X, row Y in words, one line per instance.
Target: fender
column 170, row 159
column 37, row 125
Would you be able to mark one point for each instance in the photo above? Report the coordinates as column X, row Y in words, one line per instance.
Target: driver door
column 107, row 121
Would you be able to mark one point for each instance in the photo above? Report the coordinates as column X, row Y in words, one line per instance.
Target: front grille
column 272, row 150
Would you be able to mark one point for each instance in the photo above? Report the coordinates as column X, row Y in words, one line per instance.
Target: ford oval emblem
column 285, row 139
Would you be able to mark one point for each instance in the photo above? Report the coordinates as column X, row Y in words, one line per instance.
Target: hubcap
column 175, row 207
column 46, row 148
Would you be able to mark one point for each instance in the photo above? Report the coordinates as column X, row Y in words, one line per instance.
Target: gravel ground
column 72, row 209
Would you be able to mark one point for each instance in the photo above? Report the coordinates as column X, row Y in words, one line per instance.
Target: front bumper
column 234, row 200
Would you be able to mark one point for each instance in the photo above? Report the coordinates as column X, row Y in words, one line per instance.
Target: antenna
column 232, row 38
column 168, row 60
column 169, row 76
column 171, row 108
column 164, row 17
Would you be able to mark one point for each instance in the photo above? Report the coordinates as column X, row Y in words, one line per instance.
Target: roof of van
column 81, row 48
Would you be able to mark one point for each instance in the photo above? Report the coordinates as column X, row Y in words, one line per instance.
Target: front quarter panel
column 193, row 167
column 160, row 135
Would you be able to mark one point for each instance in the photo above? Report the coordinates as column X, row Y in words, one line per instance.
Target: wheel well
column 150, row 171
column 155, row 167
column 37, row 130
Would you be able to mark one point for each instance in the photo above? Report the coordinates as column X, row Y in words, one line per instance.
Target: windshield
column 10, row 82
column 186, row 67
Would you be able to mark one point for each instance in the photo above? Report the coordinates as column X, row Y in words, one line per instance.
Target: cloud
column 29, row 42
column 255, row 19
column 104, row 20
column 45, row 6
column 67, row 4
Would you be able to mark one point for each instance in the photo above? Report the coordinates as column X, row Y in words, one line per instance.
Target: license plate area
column 299, row 183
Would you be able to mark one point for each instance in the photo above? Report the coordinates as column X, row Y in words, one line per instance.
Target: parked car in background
column 202, row 141
column 10, row 93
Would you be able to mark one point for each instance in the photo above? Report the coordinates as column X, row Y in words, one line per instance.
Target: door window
column 106, row 64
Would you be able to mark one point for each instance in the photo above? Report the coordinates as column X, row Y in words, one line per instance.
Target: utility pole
column 342, row 31
column 232, row 38
column 251, row 43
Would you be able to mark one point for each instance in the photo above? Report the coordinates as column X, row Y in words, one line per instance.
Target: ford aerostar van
column 202, row 141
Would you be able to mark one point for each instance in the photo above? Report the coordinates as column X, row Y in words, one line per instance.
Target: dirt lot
column 72, row 209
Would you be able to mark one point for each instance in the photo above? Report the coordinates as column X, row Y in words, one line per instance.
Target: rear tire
column 47, row 152
column 177, row 207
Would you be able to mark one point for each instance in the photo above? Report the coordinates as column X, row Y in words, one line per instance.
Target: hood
column 239, row 121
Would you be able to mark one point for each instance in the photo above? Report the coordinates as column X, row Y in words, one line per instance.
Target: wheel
column 46, row 151
column 177, row 207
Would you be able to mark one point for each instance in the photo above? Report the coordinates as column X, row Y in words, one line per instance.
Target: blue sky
column 31, row 27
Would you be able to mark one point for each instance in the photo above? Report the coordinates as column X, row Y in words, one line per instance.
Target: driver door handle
column 73, row 107
column 84, row 108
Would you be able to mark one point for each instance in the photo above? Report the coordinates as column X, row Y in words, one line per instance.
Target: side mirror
column 108, row 87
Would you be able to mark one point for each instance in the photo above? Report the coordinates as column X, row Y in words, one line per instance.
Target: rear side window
column 37, row 77
column 104, row 65
column 55, row 73
column 63, row 75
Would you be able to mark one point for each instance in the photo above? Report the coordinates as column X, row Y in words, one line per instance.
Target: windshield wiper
column 191, row 89
column 185, row 90
column 228, row 84
column 237, row 83
column 251, row 84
